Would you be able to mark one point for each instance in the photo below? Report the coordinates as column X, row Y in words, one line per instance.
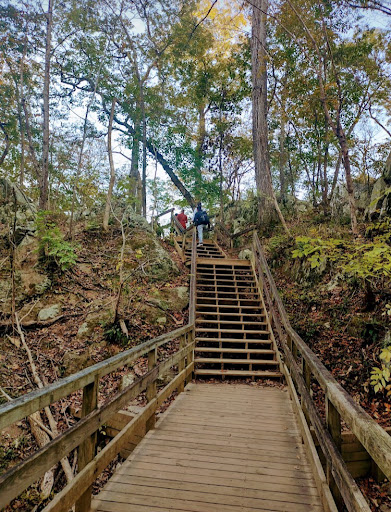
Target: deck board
column 218, row 448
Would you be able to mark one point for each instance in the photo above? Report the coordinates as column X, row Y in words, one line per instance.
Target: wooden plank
column 210, row 498
column 240, row 457
column 160, row 504
column 222, row 263
column 218, row 491
column 212, row 463
column 239, row 373
column 189, row 454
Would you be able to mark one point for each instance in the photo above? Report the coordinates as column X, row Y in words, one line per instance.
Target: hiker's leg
column 200, row 233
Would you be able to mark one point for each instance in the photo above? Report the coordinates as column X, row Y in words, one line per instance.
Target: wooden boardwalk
column 218, row 448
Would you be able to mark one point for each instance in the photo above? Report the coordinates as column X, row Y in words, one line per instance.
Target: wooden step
column 223, row 294
column 234, row 340
column 228, row 306
column 239, row 373
column 232, row 331
column 235, row 286
column 218, row 360
column 231, row 315
column 202, row 281
column 227, row 261
column 216, row 301
column 259, row 351
column 231, row 322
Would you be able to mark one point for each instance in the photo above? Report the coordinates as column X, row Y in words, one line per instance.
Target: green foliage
column 381, row 377
column 364, row 261
column 113, row 334
column 51, row 243
column 278, row 244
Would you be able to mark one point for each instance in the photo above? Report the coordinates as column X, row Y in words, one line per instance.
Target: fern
column 381, row 377
column 51, row 243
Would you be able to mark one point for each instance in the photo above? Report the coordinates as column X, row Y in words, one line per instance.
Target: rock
column 387, row 169
column 83, row 330
column 340, row 201
column 25, row 214
column 33, row 282
column 246, row 254
column 170, row 299
column 73, row 362
column 134, row 409
column 136, row 221
column 127, row 380
column 167, row 378
column 49, row 312
column 158, row 263
column 376, row 201
column 161, row 320
column 8, row 190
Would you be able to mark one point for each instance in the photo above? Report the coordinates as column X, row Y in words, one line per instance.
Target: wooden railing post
column 294, row 349
column 151, row 388
column 333, row 420
column 86, row 451
column 190, row 357
column 307, row 380
column 182, row 363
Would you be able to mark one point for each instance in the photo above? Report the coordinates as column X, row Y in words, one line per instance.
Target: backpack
column 201, row 217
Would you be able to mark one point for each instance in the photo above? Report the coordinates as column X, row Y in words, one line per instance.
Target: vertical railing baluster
column 86, row 451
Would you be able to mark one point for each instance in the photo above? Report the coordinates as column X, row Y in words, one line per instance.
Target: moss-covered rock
column 171, row 299
column 156, row 262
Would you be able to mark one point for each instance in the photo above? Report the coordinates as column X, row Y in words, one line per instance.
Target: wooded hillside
column 274, row 115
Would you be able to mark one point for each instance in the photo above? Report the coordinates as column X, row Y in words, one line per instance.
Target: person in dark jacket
column 200, row 219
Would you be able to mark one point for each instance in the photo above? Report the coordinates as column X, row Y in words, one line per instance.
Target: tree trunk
column 259, row 112
column 44, row 182
column 283, row 155
column 162, row 161
column 136, row 183
column 199, row 153
column 144, row 173
column 112, row 169
column 348, row 177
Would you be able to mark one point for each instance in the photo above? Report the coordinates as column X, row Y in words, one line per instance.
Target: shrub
column 381, row 377
column 51, row 243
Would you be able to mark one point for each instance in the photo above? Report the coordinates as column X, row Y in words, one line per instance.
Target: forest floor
column 333, row 322
column 89, row 289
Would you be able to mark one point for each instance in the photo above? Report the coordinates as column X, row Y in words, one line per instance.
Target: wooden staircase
column 208, row 250
column 232, row 335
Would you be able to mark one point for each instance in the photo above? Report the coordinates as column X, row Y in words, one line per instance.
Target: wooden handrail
column 229, row 238
column 339, row 404
column 163, row 213
column 18, row 478
column 36, row 400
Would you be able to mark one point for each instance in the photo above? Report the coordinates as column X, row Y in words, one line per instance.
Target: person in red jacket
column 182, row 217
